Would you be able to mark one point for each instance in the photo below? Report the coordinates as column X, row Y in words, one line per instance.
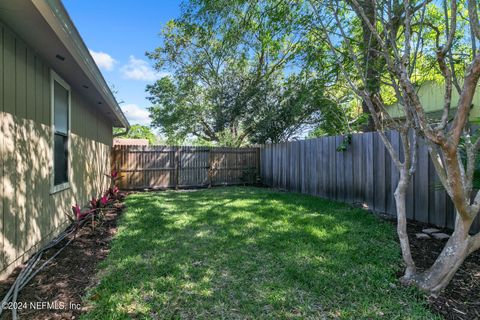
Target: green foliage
column 137, row 131
column 242, row 72
column 251, row 253
column 423, row 58
column 347, row 140
column 246, row 72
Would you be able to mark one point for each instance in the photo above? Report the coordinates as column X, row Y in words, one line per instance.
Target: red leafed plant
column 114, row 175
column 79, row 214
column 99, row 205
column 94, row 203
column 112, row 192
column 103, row 201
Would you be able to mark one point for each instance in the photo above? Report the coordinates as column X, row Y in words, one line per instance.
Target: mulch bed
column 66, row 280
column 461, row 299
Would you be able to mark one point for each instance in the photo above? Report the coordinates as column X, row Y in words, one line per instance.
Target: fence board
column 394, row 174
column 411, row 197
column 332, row 177
column 313, row 173
column 318, row 167
column 369, row 170
column 340, row 170
column 348, row 171
column 284, row 152
column 421, row 187
column 389, row 201
column 379, row 176
column 358, row 162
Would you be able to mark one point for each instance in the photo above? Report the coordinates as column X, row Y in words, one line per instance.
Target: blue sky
column 118, row 33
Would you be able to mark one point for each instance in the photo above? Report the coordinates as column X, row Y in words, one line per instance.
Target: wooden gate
column 156, row 167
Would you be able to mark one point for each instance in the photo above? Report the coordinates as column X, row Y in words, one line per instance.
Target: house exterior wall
column 432, row 98
column 29, row 214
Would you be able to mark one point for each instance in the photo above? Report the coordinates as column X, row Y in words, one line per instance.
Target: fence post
column 210, row 167
column 113, row 160
column 177, row 166
column 257, row 156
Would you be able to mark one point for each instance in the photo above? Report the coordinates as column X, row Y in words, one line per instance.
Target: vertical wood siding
column 363, row 174
column 29, row 214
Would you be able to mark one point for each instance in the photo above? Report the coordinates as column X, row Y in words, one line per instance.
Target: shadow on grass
column 250, row 253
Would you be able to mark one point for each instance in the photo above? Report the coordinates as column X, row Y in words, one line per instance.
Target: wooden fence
column 171, row 167
column 362, row 174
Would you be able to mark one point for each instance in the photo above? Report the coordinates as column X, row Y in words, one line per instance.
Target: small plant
column 347, row 140
column 79, row 214
column 103, row 201
column 94, row 203
column 99, row 203
column 112, row 193
column 114, row 176
column 97, row 206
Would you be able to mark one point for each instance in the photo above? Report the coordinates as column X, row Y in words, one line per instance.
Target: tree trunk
column 437, row 277
column 400, row 202
column 371, row 60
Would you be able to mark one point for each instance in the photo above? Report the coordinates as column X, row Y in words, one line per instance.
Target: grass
column 250, row 253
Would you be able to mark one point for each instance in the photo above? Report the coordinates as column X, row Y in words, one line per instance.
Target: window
column 61, row 130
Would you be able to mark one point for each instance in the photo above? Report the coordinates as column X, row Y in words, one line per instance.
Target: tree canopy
column 416, row 41
column 137, row 131
column 255, row 71
column 244, row 72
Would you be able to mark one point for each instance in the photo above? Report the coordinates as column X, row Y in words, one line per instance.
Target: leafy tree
column 137, row 131
column 239, row 74
column 427, row 33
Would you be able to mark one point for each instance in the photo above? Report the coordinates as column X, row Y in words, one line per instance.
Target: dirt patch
column 461, row 299
column 57, row 291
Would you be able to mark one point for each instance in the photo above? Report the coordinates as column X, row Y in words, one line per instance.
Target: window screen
column 60, row 149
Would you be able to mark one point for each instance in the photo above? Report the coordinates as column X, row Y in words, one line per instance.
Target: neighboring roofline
column 432, row 114
column 130, row 142
column 62, row 25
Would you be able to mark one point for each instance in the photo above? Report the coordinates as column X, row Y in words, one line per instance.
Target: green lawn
column 249, row 253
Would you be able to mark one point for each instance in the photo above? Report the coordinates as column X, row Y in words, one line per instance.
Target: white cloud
column 138, row 69
column 136, row 114
column 103, row 60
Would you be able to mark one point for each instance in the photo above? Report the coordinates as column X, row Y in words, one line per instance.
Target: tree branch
column 453, row 27
column 447, row 75
column 439, row 165
column 465, row 101
column 473, row 15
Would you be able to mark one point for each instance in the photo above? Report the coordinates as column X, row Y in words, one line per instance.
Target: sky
column 118, row 33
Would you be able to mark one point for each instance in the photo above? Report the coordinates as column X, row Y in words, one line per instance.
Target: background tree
column 401, row 46
column 239, row 74
column 137, row 131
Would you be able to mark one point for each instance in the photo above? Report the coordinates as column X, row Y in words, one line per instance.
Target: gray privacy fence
column 362, row 174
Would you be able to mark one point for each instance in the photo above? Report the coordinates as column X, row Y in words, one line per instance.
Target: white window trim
column 66, row 185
